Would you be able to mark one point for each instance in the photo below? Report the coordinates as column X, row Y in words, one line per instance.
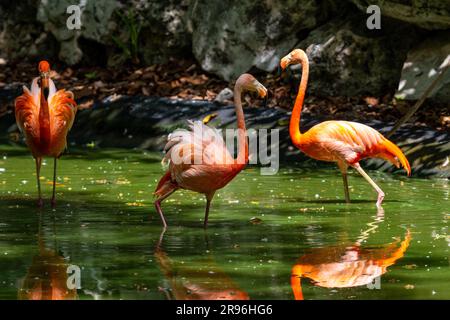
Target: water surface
column 270, row 237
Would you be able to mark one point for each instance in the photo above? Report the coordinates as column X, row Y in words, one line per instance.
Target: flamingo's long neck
column 296, row 282
column 242, row 156
column 44, row 115
column 294, row 125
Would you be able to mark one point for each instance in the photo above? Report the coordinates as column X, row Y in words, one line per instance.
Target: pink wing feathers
column 198, row 158
column 352, row 141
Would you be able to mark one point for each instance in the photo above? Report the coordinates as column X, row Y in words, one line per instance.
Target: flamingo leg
column 158, row 206
column 208, row 204
column 38, row 175
column 372, row 183
column 343, row 168
column 347, row 193
column 54, row 184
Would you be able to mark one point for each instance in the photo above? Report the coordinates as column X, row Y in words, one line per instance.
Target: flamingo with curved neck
column 217, row 166
column 45, row 117
column 343, row 142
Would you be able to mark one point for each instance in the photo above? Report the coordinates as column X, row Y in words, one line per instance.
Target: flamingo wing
column 351, row 141
column 27, row 113
column 62, row 109
column 346, row 140
column 199, row 145
column 198, row 158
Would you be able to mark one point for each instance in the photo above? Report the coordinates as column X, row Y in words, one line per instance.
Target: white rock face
column 422, row 66
column 224, row 95
column 229, row 41
column 95, row 24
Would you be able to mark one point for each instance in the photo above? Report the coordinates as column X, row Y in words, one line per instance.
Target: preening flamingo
column 45, row 116
column 198, row 158
column 343, row 142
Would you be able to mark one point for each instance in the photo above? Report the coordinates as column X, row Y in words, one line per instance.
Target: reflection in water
column 348, row 265
column 196, row 280
column 47, row 276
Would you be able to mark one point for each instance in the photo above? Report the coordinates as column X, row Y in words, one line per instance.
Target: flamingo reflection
column 199, row 280
column 346, row 266
column 46, row 278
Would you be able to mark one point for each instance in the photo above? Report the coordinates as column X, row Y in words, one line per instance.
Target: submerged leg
column 54, row 185
column 343, row 168
column 347, row 194
column 372, row 183
column 38, row 176
column 208, row 204
column 158, row 206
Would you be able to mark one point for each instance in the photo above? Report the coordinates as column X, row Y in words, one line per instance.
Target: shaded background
column 127, row 53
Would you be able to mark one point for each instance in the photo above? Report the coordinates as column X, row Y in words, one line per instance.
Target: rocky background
column 139, row 69
column 227, row 38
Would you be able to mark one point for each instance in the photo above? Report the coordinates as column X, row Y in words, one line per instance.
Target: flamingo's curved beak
column 262, row 91
column 285, row 61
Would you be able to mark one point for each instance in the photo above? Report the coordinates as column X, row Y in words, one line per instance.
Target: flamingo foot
column 53, row 202
column 380, row 199
column 40, row 203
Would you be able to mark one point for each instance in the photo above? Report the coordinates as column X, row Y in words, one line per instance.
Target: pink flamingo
column 45, row 117
column 216, row 167
column 343, row 142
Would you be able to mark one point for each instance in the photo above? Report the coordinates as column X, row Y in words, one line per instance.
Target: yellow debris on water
column 135, row 204
column 57, row 183
column 209, row 117
column 122, row 181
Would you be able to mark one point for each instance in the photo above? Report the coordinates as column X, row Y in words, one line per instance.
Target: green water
column 260, row 227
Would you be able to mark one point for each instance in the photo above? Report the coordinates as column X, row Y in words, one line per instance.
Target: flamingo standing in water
column 343, row 142
column 45, row 116
column 199, row 159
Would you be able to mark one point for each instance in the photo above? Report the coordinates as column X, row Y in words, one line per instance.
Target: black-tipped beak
column 279, row 71
column 266, row 100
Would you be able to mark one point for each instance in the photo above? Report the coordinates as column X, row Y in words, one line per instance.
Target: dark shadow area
column 144, row 123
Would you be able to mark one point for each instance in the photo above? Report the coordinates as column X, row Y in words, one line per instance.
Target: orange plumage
column 343, row 142
column 350, row 142
column 45, row 117
column 345, row 266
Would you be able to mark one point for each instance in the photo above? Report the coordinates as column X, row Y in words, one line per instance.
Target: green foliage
column 91, row 75
column 130, row 46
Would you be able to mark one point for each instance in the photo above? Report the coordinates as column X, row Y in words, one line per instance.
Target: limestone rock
column 164, row 31
column 21, row 36
column 422, row 67
column 95, row 24
column 224, row 95
column 427, row 14
column 230, row 38
column 348, row 59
